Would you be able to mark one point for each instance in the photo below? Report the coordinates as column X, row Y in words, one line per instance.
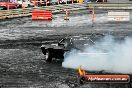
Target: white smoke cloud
column 106, row 54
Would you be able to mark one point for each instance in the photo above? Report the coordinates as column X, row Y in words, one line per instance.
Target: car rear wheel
column 48, row 56
column 81, row 80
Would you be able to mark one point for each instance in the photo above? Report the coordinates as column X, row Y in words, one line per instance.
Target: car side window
column 63, row 42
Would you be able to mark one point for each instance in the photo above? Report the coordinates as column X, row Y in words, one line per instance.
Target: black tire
column 81, row 80
column 48, row 56
column 4, row 8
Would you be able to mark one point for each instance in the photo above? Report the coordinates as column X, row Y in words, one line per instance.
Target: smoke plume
column 105, row 55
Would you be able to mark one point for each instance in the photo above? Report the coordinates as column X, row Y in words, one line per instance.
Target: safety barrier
column 12, row 13
column 41, row 15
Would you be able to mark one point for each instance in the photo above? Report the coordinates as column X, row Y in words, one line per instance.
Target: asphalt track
column 22, row 64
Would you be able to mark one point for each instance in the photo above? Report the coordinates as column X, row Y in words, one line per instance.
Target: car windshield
column 82, row 41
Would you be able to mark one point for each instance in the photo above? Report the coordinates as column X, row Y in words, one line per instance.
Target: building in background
column 119, row 1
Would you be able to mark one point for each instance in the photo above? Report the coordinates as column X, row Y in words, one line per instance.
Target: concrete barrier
column 41, row 15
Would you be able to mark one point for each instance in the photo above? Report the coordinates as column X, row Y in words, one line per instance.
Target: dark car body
column 54, row 50
column 64, row 45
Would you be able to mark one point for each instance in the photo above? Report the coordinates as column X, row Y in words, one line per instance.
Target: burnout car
column 58, row 50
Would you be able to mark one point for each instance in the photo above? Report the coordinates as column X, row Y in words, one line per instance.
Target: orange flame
column 81, row 71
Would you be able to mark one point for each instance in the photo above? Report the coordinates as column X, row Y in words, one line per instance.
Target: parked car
column 9, row 5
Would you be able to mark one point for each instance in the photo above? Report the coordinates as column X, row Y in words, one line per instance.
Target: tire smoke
column 107, row 55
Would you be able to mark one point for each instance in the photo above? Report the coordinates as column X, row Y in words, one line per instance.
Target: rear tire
column 81, row 80
column 48, row 56
column 5, row 8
